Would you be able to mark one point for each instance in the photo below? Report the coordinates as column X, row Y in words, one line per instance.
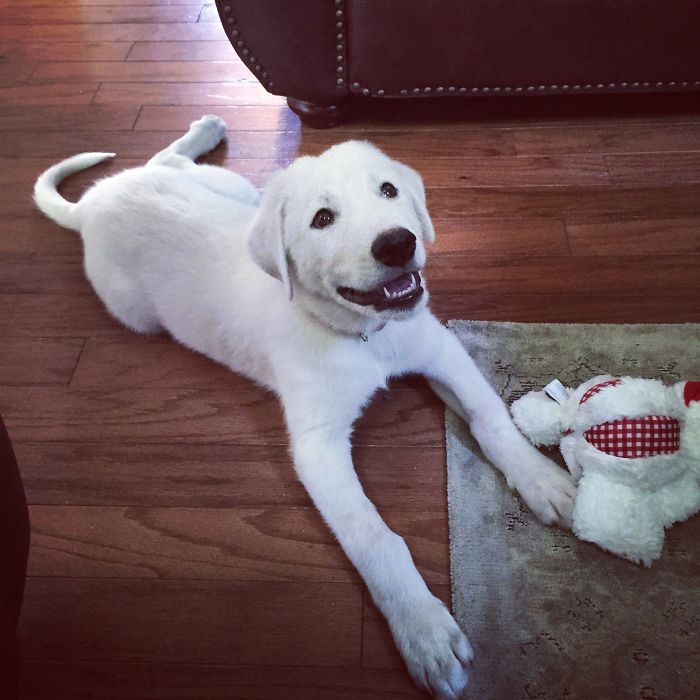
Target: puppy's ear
column 266, row 242
column 417, row 195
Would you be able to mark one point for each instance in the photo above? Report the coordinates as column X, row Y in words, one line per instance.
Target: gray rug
column 551, row 617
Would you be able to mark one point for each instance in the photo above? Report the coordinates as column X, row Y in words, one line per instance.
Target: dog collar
column 362, row 335
column 365, row 337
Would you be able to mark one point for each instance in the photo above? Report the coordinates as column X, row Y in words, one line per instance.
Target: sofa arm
column 293, row 48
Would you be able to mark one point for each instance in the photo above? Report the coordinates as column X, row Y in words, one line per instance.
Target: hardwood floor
column 174, row 555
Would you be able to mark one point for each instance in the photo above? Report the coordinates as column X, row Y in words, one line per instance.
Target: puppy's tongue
column 398, row 284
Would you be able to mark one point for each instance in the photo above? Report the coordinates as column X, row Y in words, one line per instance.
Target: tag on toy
column 556, row 391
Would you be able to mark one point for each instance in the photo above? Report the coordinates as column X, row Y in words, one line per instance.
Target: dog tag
column 556, row 391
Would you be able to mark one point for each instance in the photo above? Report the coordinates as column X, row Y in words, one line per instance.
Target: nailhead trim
column 341, row 43
column 498, row 90
column 243, row 50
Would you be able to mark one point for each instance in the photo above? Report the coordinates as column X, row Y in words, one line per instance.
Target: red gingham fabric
column 636, row 437
column 597, row 389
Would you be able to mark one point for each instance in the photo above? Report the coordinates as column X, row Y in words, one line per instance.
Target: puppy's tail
column 47, row 197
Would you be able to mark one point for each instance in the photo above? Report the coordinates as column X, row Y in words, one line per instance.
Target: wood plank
column 405, row 145
column 51, row 316
column 150, row 361
column 182, row 51
column 378, row 648
column 122, row 31
column 86, row 14
column 635, row 237
column 494, row 274
column 48, row 94
column 133, row 474
column 654, row 168
column 59, row 117
column 144, row 415
column 237, row 544
column 26, row 170
column 47, row 680
column 203, row 93
column 569, row 307
column 251, row 416
column 54, row 274
column 16, row 72
column 515, row 237
column 191, row 621
column 15, row 201
column 39, row 360
column 57, row 145
column 217, row 476
column 503, row 171
column 142, row 144
column 237, row 118
column 142, row 72
column 615, row 138
column 25, row 51
column 592, row 202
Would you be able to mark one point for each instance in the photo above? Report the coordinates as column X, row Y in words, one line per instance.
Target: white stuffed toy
column 633, row 446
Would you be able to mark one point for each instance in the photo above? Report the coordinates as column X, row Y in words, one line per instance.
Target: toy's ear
column 539, row 418
column 266, row 242
column 417, row 195
column 689, row 393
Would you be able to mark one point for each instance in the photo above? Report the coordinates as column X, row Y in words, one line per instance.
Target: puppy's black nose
column 394, row 248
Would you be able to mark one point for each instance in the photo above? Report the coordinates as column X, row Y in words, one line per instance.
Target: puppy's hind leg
column 203, row 135
column 120, row 293
column 224, row 182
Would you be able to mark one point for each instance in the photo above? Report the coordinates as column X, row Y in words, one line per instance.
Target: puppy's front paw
column 548, row 491
column 434, row 648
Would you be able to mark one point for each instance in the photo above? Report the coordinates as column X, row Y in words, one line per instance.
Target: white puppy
column 314, row 292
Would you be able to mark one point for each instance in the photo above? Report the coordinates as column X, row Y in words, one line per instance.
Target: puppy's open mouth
column 400, row 293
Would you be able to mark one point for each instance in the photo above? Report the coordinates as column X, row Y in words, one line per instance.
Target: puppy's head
column 347, row 227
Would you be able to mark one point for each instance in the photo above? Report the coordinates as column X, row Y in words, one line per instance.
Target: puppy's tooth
column 386, row 293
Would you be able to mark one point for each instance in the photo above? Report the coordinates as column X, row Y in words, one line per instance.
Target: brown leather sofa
column 320, row 53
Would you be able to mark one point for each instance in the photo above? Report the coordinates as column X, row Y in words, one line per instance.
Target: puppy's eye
column 323, row 218
column 388, row 190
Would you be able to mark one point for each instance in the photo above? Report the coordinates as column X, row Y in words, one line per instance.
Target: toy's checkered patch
column 636, row 437
column 597, row 389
